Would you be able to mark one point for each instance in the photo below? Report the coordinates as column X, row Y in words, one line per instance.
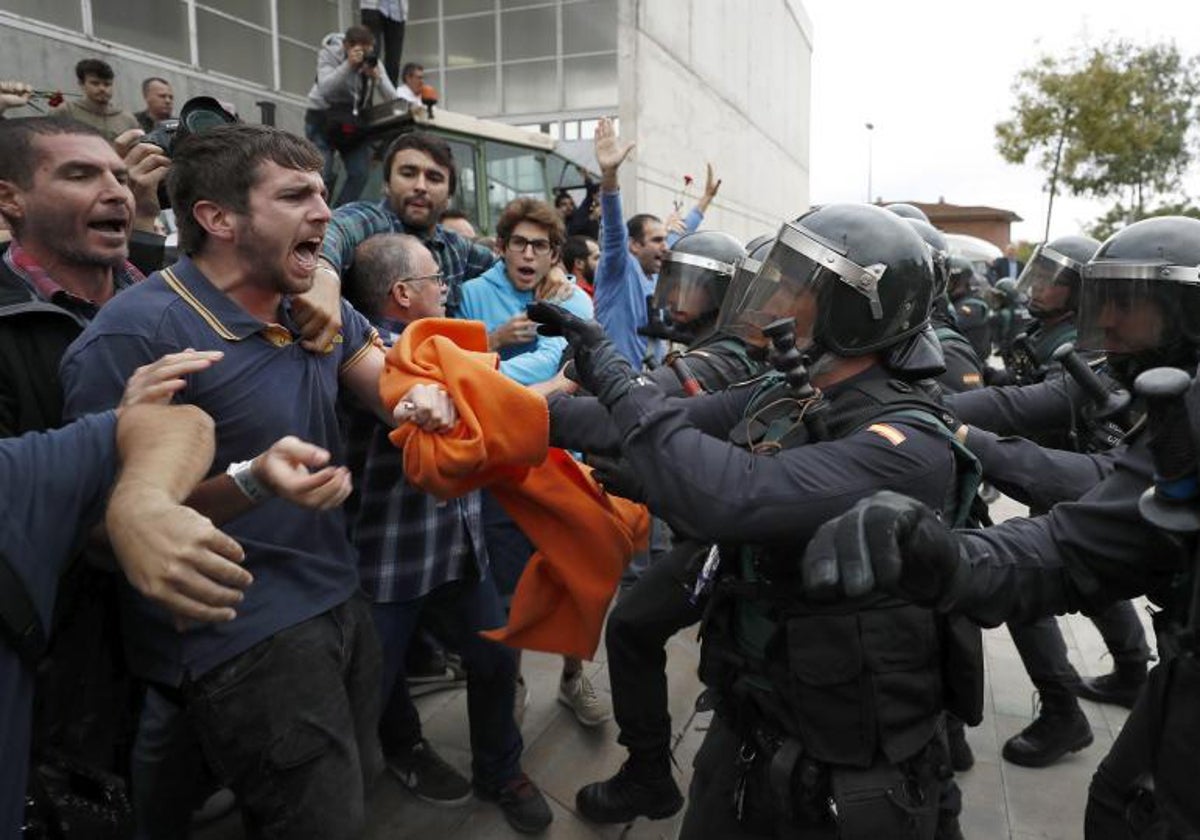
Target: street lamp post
column 870, row 135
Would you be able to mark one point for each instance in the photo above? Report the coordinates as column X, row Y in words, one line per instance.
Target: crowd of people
column 252, row 493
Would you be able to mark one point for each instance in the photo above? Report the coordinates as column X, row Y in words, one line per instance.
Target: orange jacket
column 584, row 537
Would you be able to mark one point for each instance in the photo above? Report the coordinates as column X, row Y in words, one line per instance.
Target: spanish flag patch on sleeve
column 888, row 432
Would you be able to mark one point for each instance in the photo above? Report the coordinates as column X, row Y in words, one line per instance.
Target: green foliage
column 1120, row 216
column 1122, row 112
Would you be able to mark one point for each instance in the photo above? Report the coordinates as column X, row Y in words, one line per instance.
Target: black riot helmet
column 743, row 275
column 939, row 249
column 693, row 281
column 856, row 278
column 907, row 211
column 1005, row 293
column 961, row 277
column 1139, row 299
column 1055, row 265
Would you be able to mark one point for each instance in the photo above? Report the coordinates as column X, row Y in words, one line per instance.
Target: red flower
column 687, row 180
column 55, row 99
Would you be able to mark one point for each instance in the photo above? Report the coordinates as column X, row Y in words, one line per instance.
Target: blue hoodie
column 492, row 298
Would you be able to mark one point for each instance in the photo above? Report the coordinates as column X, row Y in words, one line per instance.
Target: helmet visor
column 1131, row 308
column 743, row 275
column 689, row 287
column 789, row 281
column 1048, row 280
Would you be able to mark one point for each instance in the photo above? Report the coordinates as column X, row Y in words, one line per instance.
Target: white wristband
column 251, row 487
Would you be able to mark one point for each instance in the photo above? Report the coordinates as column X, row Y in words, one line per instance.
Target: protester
column 96, row 109
column 385, row 19
column 159, row 99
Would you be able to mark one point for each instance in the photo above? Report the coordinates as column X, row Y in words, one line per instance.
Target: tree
column 1121, row 114
column 1120, row 216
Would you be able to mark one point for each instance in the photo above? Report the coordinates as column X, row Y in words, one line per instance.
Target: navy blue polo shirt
column 53, row 486
column 265, row 387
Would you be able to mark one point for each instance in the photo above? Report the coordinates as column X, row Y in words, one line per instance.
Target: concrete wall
column 724, row 81
column 45, row 57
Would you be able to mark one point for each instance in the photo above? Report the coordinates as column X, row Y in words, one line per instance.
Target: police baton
column 1107, row 403
column 1172, row 503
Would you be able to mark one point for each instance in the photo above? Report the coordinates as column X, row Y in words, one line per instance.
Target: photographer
column 347, row 73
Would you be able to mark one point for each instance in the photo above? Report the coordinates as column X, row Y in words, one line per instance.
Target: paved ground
column 1001, row 800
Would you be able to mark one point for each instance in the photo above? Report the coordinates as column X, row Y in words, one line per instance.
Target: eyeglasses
column 438, row 278
column 518, row 244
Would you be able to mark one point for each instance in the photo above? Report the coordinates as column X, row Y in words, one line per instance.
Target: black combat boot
column 1120, row 687
column 1059, row 728
column 633, row 792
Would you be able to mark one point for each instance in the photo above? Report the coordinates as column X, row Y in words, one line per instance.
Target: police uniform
column 812, row 703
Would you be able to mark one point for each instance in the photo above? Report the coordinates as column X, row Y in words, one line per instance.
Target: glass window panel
column 530, row 87
column 150, row 25
column 421, row 44
column 472, row 91
column 466, row 7
column 590, row 82
column 513, row 172
column 255, row 11
column 422, row 10
column 232, row 48
column 466, row 197
column 297, row 68
column 528, row 34
column 590, row 26
column 571, row 130
column 62, row 14
column 470, row 41
column 307, row 20
column 516, row 4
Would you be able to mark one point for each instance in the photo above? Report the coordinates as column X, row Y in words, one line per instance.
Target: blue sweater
column 621, row 287
column 493, row 299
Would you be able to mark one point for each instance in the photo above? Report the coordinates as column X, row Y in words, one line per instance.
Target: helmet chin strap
column 1125, row 367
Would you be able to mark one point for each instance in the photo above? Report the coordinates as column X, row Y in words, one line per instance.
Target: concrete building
column 690, row 80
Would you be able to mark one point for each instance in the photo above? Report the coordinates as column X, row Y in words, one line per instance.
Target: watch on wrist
column 243, row 476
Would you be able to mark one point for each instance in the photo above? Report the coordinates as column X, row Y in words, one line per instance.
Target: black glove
column 598, row 366
column 888, row 543
column 617, row 477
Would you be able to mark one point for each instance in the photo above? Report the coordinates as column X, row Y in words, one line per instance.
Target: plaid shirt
column 409, row 542
column 42, row 285
column 459, row 259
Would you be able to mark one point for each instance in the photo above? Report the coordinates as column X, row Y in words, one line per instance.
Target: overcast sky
column 935, row 76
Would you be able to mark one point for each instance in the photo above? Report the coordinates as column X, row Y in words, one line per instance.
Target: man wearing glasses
column 530, row 234
column 424, row 563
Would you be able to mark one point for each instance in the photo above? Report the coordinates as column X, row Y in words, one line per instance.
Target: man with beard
column 285, row 698
column 421, row 178
column 580, row 256
column 95, row 107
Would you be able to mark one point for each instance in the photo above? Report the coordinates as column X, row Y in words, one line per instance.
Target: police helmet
column 1140, row 296
column 961, row 276
column 1006, row 293
column 856, row 278
column 940, row 251
column 743, row 275
column 907, row 211
column 694, row 279
column 1055, row 265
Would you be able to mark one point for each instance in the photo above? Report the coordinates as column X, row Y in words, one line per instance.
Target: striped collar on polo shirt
column 226, row 318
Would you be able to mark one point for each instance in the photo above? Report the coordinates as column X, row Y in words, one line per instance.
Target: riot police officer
column 972, row 313
column 964, row 370
column 1009, row 315
column 1050, row 284
column 1140, row 302
column 656, row 606
column 813, row 706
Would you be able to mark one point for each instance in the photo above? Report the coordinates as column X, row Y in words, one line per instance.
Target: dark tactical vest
column 964, row 371
column 852, row 680
column 1029, row 356
column 718, row 361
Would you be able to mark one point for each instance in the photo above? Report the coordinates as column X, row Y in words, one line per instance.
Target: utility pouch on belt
column 881, row 802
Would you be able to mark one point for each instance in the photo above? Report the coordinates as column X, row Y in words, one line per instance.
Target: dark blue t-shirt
column 53, row 486
column 265, row 387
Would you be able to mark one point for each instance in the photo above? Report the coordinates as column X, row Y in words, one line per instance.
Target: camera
column 199, row 114
column 371, row 59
